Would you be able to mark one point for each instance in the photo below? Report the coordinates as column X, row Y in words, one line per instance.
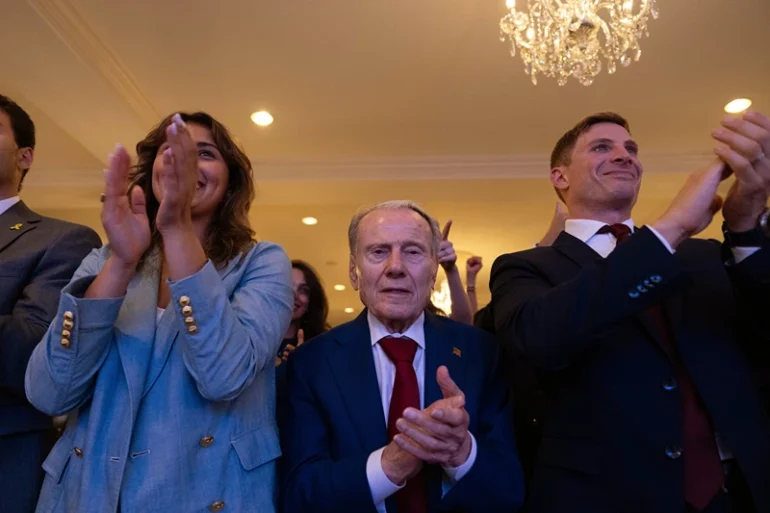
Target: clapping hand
column 746, row 150
column 178, row 179
column 125, row 220
column 290, row 348
column 439, row 433
column 694, row 206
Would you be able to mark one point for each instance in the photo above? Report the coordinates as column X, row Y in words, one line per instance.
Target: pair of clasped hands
column 438, row 434
column 744, row 150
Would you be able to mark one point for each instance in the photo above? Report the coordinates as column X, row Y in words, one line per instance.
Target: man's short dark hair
column 562, row 152
column 21, row 124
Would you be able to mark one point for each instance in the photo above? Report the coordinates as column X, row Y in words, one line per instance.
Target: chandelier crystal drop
column 571, row 38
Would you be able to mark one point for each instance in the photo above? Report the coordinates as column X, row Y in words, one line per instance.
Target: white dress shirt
column 8, row 203
column 585, row 230
column 380, row 486
column 604, row 244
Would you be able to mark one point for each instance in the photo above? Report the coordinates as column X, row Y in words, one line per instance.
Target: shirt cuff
column 661, row 239
column 742, row 253
column 379, row 485
column 454, row 474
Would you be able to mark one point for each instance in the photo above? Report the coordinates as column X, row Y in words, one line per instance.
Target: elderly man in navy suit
column 37, row 258
column 399, row 410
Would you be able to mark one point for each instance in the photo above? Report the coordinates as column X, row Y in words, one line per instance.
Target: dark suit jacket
column 529, row 400
column 334, row 420
column 581, row 321
column 38, row 256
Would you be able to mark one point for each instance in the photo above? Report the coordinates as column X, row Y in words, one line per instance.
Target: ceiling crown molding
column 443, row 168
column 66, row 20
column 384, row 169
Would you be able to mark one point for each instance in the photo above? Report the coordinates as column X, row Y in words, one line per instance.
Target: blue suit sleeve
column 62, row 369
column 234, row 337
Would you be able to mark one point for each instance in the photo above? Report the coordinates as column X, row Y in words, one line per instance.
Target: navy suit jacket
column 333, row 420
column 614, row 410
column 37, row 258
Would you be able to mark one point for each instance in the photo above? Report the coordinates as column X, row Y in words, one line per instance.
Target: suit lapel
column 582, row 255
column 15, row 222
column 441, row 348
column 352, row 363
column 167, row 329
column 576, row 250
column 137, row 327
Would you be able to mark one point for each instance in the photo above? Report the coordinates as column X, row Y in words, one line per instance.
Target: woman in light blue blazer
column 162, row 350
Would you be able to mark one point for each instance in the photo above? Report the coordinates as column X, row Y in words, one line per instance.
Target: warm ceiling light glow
column 310, row 221
column 349, row 310
column 737, row 106
column 339, row 288
column 262, row 118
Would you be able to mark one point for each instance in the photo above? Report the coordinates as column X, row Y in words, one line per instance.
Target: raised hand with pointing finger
column 446, row 255
column 461, row 307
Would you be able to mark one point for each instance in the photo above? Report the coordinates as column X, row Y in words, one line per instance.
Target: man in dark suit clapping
column 641, row 336
column 38, row 256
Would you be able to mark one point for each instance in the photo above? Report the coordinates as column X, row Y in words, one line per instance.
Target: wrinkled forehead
column 393, row 227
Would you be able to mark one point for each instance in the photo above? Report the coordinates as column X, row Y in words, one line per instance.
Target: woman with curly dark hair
column 163, row 346
column 311, row 309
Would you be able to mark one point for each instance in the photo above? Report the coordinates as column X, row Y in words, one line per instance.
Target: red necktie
column 406, row 393
column 703, row 475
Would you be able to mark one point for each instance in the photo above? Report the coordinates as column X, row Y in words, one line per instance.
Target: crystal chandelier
column 442, row 298
column 563, row 38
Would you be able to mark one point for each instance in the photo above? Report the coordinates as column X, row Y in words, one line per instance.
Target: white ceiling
column 372, row 100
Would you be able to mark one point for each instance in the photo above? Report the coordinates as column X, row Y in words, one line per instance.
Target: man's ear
column 353, row 273
column 560, row 181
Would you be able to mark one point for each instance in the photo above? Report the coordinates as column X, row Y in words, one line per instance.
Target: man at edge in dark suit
column 641, row 336
column 38, row 256
column 399, row 410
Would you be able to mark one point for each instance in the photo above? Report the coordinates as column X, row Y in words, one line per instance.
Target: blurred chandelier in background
column 569, row 38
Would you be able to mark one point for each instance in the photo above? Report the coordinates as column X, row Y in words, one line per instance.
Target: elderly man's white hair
column 435, row 232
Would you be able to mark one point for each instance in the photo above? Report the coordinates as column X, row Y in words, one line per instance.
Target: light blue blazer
column 169, row 415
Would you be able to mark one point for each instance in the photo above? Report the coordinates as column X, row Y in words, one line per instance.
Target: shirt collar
column 416, row 331
column 8, row 203
column 584, row 229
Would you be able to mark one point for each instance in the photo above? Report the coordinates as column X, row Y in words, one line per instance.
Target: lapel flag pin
column 17, row 226
column 457, row 352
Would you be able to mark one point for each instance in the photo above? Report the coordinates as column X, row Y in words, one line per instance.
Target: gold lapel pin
column 17, row 226
column 457, row 352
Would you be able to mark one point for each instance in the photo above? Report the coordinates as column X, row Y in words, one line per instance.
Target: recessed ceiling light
column 310, row 221
column 737, row 106
column 349, row 310
column 339, row 288
column 262, row 118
